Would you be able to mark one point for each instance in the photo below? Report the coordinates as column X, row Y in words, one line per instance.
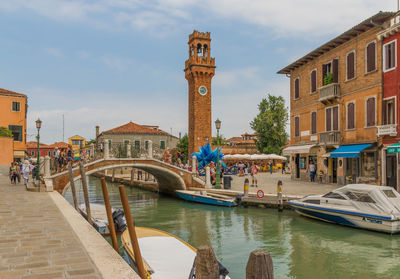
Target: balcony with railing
column 389, row 129
column 330, row 138
column 329, row 92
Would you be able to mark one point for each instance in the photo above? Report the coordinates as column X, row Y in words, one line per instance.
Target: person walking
column 270, row 167
column 13, row 173
column 26, row 170
column 254, row 171
column 311, row 169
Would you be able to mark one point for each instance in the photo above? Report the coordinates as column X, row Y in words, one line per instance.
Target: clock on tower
column 199, row 70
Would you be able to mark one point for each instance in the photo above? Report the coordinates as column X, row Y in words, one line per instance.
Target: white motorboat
column 362, row 206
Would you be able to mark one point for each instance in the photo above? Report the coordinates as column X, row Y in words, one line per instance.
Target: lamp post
column 217, row 173
column 38, row 126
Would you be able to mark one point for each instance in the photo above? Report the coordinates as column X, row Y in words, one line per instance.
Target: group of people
column 19, row 169
column 62, row 157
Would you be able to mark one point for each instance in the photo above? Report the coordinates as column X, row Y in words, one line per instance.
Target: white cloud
column 116, row 63
column 54, row 51
column 287, row 18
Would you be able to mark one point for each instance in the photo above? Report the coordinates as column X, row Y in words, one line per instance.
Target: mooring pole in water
column 246, row 187
column 72, row 183
column 206, row 263
column 111, row 227
column 85, row 192
column 132, row 232
column 259, row 265
column 280, row 196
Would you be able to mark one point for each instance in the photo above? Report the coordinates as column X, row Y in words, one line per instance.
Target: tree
column 270, row 125
column 183, row 146
column 4, row 132
column 219, row 139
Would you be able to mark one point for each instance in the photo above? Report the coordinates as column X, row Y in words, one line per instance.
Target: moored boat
column 206, row 198
column 165, row 256
column 362, row 206
column 99, row 218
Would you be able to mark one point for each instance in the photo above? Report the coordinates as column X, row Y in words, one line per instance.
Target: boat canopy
column 394, row 148
column 349, row 151
column 372, row 198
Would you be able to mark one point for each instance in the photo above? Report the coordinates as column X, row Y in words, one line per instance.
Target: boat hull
column 205, row 199
column 356, row 220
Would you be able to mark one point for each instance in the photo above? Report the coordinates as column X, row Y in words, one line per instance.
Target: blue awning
column 349, row 151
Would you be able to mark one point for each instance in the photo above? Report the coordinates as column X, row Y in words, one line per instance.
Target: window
column 389, row 56
column 350, row 65
column 332, row 68
column 332, row 195
column 389, row 193
column 350, row 116
column 162, row 144
column 313, row 81
column 388, row 112
column 109, row 145
column 297, row 88
column 313, row 122
column 332, row 119
column 33, row 153
column 371, row 57
column 313, row 201
column 16, row 106
column 77, row 142
column 146, row 145
column 49, row 153
column 297, row 126
column 370, row 111
column 126, row 142
column 54, row 153
column 360, row 197
column 16, row 131
column 137, row 145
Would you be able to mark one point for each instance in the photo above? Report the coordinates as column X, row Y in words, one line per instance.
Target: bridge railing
column 121, row 150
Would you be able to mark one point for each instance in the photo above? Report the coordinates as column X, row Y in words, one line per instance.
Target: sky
column 108, row 62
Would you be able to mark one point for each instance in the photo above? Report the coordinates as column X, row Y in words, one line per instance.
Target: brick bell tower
column 199, row 70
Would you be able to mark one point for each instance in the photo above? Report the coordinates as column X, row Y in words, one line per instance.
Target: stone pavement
column 268, row 182
column 35, row 239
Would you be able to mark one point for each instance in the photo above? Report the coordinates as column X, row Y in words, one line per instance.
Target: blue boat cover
column 349, row 151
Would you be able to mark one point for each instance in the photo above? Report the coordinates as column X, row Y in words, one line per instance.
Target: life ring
column 260, row 194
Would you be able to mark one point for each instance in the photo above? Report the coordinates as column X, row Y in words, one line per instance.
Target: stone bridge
column 169, row 177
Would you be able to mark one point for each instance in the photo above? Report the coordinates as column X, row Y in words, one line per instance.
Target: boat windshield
column 360, row 197
column 389, row 193
column 332, row 195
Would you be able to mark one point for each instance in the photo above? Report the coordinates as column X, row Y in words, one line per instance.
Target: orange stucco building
column 13, row 111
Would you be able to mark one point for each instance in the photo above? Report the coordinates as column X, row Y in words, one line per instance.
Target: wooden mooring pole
column 111, row 226
column 259, row 265
column 72, row 183
column 132, row 232
column 85, row 192
column 206, row 263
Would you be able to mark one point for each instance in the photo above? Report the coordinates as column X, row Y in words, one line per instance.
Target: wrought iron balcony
column 389, row 129
column 329, row 92
column 330, row 138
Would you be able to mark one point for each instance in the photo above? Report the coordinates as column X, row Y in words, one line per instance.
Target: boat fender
column 119, row 220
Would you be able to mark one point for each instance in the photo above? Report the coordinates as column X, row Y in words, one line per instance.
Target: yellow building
column 13, row 111
column 77, row 143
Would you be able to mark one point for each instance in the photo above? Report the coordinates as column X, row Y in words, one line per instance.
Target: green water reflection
column 300, row 247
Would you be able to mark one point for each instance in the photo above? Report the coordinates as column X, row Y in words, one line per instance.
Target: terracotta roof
column 6, row 92
column 135, row 128
column 235, row 139
column 360, row 28
column 33, row 144
column 59, row 144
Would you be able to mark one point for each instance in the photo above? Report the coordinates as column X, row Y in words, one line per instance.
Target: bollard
column 246, row 187
column 260, row 265
column 208, row 176
column 206, row 263
column 46, row 166
column 280, row 196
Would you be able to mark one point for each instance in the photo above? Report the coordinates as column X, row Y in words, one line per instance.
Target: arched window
column 192, row 51
column 199, row 50
column 205, row 49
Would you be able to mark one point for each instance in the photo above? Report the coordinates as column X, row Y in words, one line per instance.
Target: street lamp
column 217, row 179
column 38, row 126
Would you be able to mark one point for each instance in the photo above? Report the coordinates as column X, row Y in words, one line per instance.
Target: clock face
column 202, row 90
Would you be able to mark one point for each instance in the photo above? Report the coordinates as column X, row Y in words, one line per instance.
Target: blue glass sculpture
column 206, row 156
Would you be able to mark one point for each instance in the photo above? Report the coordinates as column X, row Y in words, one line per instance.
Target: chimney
column 97, row 131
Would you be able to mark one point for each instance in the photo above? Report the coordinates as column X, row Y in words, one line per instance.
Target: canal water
column 300, row 247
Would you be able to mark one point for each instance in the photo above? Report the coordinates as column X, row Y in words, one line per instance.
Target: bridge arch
column 169, row 177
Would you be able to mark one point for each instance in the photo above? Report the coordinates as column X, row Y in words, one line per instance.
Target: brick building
column 245, row 144
column 336, row 92
column 13, row 111
column 199, row 70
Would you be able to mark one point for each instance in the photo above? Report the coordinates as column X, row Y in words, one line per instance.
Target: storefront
column 300, row 156
column 391, row 157
column 356, row 163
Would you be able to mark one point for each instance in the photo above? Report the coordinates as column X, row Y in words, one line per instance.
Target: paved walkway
column 36, row 241
column 268, row 182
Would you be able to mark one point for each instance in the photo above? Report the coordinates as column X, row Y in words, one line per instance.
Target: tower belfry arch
column 199, row 71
